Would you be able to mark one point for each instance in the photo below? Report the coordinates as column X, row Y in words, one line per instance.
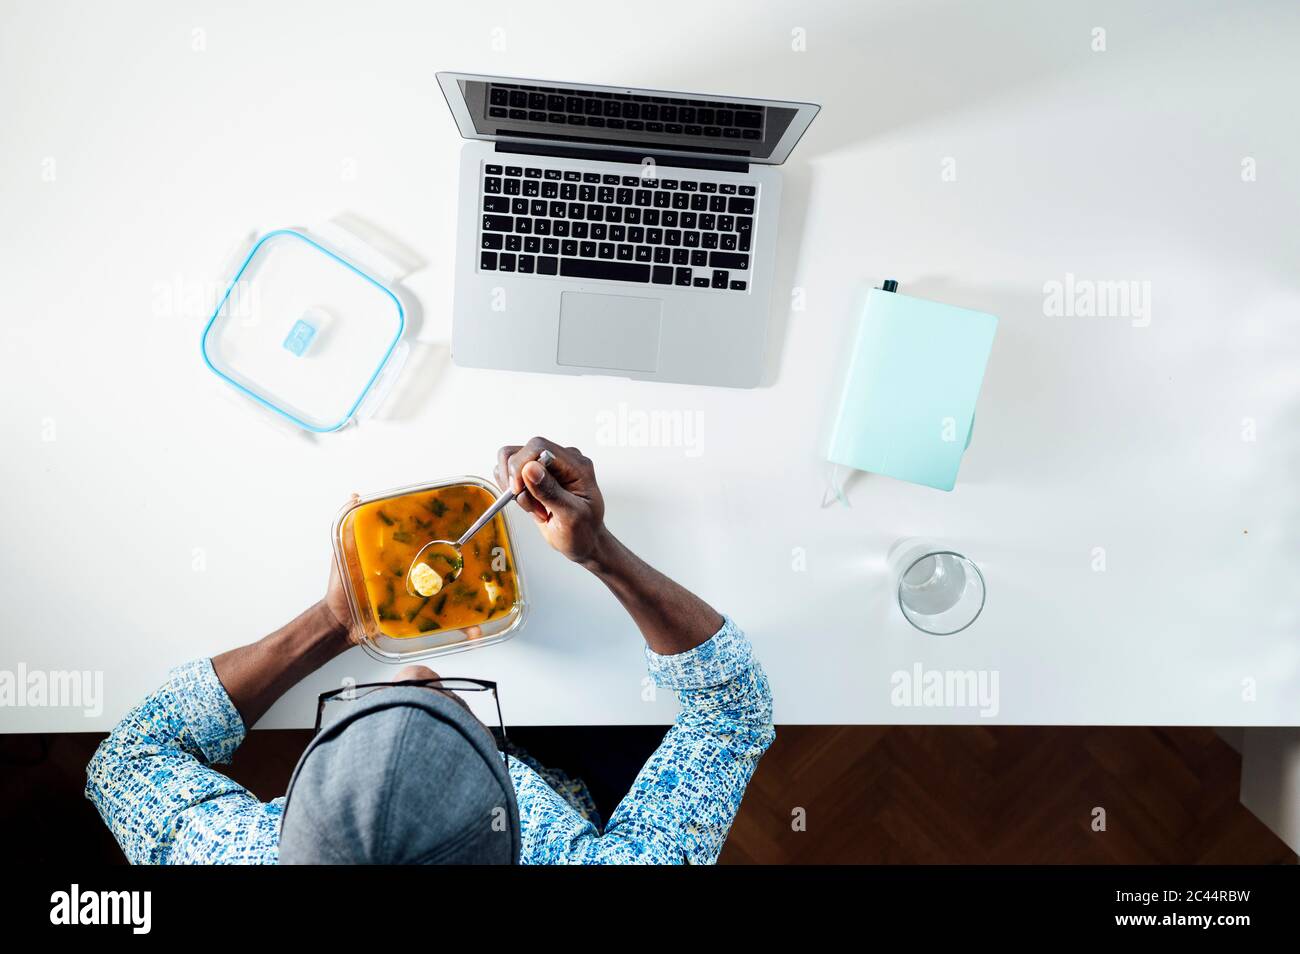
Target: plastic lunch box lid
column 303, row 331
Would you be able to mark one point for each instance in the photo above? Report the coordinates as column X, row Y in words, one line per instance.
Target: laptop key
column 507, row 262
column 496, row 223
column 488, row 261
column 738, row 206
column 548, row 266
column 612, row 271
column 526, row 264
column 532, row 244
column 662, row 256
column 552, row 173
column 727, row 188
column 625, row 253
column 514, row 243
column 718, row 203
column 681, row 257
column 550, row 246
column 524, row 226
column 642, row 252
column 700, row 258
column 719, row 279
column 737, row 286
column 588, row 249
column 662, row 275
column 701, row 283
column 491, row 185
column 569, row 247
column 606, row 249
column 571, row 176
column 747, row 190
column 738, row 263
column 496, row 203
column 728, row 243
column 682, row 277
column 492, row 240
column 492, row 170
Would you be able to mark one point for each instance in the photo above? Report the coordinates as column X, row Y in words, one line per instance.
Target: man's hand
column 566, row 503
column 336, row 601
column 562, row 497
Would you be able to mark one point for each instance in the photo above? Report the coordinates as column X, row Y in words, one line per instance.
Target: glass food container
column 375, row 539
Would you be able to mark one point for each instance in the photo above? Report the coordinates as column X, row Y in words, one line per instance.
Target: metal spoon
column 450, row 552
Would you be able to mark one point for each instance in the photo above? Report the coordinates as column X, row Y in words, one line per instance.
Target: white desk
column 124, row 454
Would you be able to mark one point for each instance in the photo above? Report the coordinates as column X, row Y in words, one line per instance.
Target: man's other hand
column 562, row 497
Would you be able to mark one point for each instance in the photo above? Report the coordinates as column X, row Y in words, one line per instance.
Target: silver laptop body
column 607, row 230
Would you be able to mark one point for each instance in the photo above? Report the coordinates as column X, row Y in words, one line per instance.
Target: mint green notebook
column 913, row 381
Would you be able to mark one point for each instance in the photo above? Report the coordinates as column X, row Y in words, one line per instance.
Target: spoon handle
column 499, row 504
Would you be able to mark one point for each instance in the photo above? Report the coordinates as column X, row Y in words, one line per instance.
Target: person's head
column 402, row 774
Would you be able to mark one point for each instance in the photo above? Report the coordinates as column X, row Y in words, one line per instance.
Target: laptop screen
column 746, row 130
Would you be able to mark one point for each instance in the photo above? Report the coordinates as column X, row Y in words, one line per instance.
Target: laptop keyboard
column 565, row 223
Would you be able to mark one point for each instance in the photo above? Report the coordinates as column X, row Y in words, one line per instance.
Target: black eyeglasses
column 353, row 693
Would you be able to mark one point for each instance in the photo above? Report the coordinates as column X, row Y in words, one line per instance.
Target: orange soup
column 387, row 535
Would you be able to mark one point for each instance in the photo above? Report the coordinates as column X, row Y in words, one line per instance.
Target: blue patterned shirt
column 153, row 785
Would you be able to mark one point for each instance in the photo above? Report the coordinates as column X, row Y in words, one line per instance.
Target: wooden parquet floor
column 889, row 794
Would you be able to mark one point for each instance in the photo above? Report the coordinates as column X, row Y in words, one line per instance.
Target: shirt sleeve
column 152, row 782
column 682, row 804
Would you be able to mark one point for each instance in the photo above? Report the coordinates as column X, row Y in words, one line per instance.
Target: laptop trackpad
column 611, row 332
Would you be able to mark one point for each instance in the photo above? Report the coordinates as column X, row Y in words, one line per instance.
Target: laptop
column 608, row 230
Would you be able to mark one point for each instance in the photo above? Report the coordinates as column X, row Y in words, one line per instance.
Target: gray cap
column 400, row 776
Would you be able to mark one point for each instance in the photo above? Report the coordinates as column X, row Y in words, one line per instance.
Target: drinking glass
column 940, row 591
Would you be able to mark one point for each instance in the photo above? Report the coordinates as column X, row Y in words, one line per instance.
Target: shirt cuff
column 726, row 654
column 211, row 720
